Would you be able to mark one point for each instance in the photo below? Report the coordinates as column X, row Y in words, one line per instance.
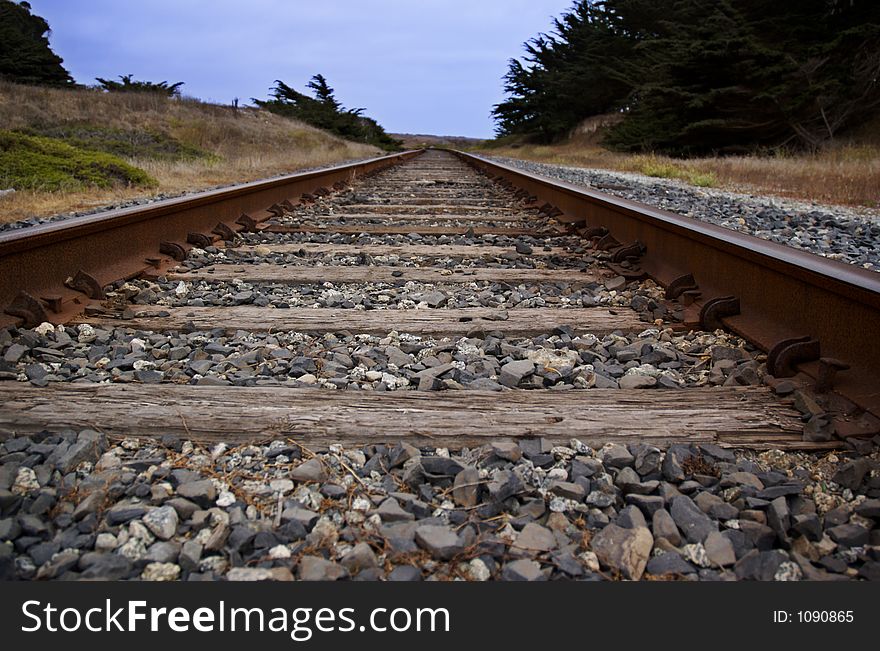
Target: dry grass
column 847, row 174
column 247, row 144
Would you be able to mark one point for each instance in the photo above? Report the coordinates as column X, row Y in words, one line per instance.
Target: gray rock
column 465, row 488
column 202, row 492
column 623, row 550
column 779, row 517
column 851, row 473
column 9, row 529
column 162, row 522
column 870, row 508
column 305, row 517
column 693, row 523
column 315, row 568
column 508, row 450
column 311, row 470
column 759, row 566
column 669, row 563
column 522, row 570
column 568, row 490
column 440, row 541
column 359, row 557
column 190, row 555
column 637, row 382
column 107, row 567
column 647, row 504
column 630, row 518
column 434, row 299
column 89, row 446
column 391, row 511
column 405, row 573
column 123, row 512
column 849, row 535
column 163, row 551
column 514, row 372
column 89, row 504
column 615, row 455
column 535, row 538
column 719, row 550
column 663, row 526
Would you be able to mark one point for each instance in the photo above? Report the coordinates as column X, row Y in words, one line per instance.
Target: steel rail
column 797, row 306
column 37, row 264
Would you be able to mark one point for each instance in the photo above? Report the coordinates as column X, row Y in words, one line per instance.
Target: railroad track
column 434, row 300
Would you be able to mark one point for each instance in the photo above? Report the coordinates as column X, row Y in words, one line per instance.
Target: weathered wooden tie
column 456, row 419
column 427, row 322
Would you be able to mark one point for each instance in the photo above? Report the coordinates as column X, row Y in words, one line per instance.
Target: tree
column 326, row 112
column 693, row 76
column 127, row 85
column 25, row 55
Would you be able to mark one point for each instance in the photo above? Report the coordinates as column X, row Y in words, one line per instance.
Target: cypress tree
column 693, row 76
column 25, row 55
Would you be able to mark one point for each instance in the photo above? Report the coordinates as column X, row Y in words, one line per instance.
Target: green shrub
column 39, row 163
column 126, row 143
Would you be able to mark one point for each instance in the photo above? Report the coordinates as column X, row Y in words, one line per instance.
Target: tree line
column 699, row 76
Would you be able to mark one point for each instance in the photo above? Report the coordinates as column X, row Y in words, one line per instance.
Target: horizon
column 431, row 69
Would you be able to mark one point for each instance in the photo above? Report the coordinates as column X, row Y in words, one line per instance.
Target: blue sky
column 418, row 66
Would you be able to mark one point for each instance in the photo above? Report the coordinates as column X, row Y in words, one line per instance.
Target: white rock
column 162, row 522
column 25, row 481
column 478, row 571
column 590, row 561
column 225, row 499
column 105, row 542
column 161, row 572
column 279, row 552
column 44, row 328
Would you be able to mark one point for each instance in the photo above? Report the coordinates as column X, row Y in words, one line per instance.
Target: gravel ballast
column 834, row 232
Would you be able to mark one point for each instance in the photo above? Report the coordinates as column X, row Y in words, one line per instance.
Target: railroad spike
column 173, row 250
column 307, row 198
column 689, row 297
column 52, row 302
column 87, row 284
column 681, row 285
column 248, row 223
column 276, row 209
column 28, row 309
column 716, row 309
column 225, row 233
column 200, row 240
column 594, row 231
column 632, row 252
column 286, row 205
column 828, row 368
column 607, row 242
column 786, row 354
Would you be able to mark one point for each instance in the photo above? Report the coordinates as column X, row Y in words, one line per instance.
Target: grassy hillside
column 846, row 173
column 65, row 150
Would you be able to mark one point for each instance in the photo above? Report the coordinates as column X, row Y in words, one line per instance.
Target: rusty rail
column 48, row 272
column 807, row 312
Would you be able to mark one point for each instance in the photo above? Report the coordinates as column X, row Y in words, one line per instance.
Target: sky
column 417, row 66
